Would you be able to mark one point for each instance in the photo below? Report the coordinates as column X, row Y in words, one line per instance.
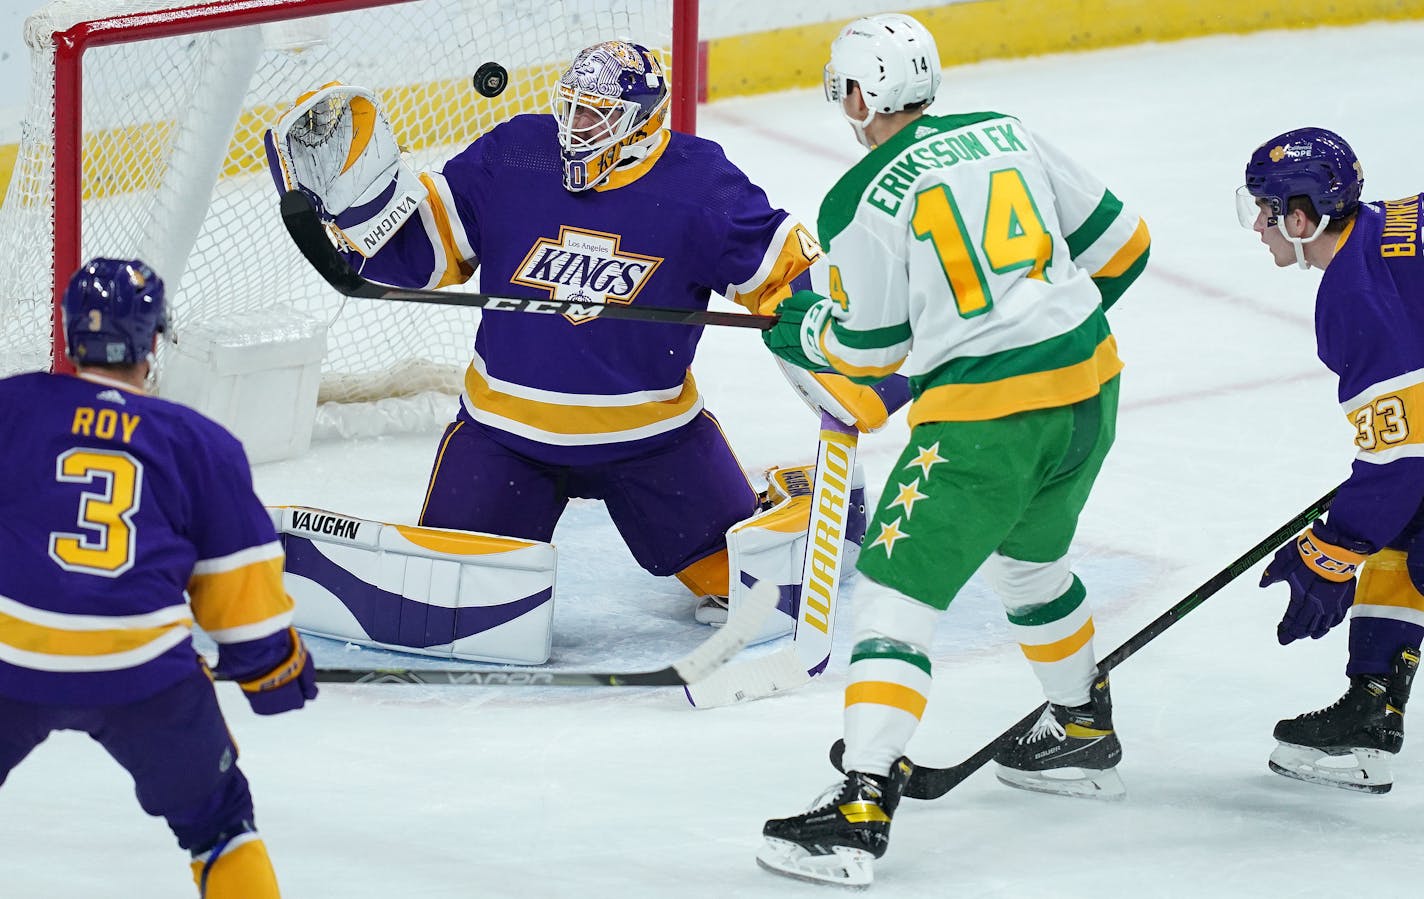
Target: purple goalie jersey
column 1369, row 325
column 681, row 224
column 112, row 506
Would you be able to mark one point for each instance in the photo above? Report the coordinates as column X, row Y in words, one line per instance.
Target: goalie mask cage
column 143, row 139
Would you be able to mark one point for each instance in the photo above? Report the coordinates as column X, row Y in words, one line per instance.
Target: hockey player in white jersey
column 978, row 260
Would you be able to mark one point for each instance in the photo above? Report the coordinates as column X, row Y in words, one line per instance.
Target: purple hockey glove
column 286, row 687
column 1320, row 569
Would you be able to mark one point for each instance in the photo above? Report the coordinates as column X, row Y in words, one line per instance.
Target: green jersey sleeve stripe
column 1087, row 234
column 874, row 339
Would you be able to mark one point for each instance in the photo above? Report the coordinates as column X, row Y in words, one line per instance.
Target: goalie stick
column 305, row 226
column 932, row 783
column 710, row 655
column 809, row 652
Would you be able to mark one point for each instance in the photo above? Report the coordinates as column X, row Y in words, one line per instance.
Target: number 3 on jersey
column 105, row 547
column 1014, row 237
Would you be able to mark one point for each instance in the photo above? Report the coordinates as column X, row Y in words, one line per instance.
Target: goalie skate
column 1364, row 770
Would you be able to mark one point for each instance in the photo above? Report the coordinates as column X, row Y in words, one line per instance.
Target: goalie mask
column 894, row 60
column 611, row 107
column 112, row 310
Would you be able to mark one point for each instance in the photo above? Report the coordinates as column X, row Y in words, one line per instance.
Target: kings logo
column 585, row 265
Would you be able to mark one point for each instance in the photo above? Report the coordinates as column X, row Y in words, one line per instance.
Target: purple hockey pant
column 672, row 503
column 174, row 744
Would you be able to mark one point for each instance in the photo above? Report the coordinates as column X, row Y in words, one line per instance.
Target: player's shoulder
column 702, row 171
column 521, row 138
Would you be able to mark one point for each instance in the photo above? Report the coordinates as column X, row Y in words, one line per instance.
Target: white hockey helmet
column 893, row 59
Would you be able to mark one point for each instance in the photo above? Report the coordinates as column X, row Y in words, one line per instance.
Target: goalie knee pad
column 771, row 545
column 448, row 593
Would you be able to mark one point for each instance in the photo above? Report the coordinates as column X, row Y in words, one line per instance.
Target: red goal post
column 143, row 138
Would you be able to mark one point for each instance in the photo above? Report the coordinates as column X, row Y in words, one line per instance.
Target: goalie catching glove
column 336, row 146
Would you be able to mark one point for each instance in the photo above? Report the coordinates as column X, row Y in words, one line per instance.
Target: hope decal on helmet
column 112, row 310
column 1308, row 163
column 611, row 107
column 894, row 61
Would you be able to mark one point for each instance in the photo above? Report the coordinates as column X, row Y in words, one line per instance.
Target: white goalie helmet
column 894, row 60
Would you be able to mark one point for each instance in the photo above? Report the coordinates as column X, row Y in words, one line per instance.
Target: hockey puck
column 491, row 79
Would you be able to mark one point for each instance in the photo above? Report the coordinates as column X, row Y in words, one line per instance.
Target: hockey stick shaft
column 703, row 661
column 307, row 231
column 810, row 650
column 932, row 783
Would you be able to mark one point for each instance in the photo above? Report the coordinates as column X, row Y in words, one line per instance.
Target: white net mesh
column 174, row 172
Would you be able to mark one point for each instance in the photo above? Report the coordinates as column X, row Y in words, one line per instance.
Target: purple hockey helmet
column 112, row 309
column 1307, row 162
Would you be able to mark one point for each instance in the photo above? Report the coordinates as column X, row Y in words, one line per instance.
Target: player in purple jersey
column 113, row 505
column 1302, row 196
column 599, row 201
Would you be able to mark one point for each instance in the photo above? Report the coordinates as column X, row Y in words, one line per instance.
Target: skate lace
column 1046, row 726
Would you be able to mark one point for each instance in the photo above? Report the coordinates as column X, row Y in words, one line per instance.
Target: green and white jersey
column 989, row 254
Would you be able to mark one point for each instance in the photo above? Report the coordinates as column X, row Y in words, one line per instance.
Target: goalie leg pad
column 447, row 593
column 771, row 545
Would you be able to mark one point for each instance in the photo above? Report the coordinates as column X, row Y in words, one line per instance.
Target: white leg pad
column 452, row 594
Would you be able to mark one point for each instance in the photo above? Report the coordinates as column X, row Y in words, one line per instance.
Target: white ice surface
column 1228, row 428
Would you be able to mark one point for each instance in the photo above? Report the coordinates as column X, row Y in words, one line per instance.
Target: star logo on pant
column 908, row 495
column 889, row 533
column 927, row 458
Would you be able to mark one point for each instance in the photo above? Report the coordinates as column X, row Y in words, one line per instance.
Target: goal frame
column 71, row 44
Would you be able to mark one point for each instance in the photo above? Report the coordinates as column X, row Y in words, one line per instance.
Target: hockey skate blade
column 746, row 681
column 1360, row 770
column 1078, row 783
column 846, row 867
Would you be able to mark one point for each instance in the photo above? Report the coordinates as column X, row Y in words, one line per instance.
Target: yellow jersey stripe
column 241, row 601
column 41, row 648
column 1020, row 393
column 1130, row 252
column 558, row 418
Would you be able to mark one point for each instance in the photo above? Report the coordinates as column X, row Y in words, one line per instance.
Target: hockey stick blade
column 703, row 661
column 309, row 234
column 932, row 783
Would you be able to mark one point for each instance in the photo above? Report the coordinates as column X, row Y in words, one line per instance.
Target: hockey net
column 168, row 165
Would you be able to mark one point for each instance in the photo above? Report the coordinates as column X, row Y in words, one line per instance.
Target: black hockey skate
column 838, row 839
column 1350, row 744
column 1068, row 751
